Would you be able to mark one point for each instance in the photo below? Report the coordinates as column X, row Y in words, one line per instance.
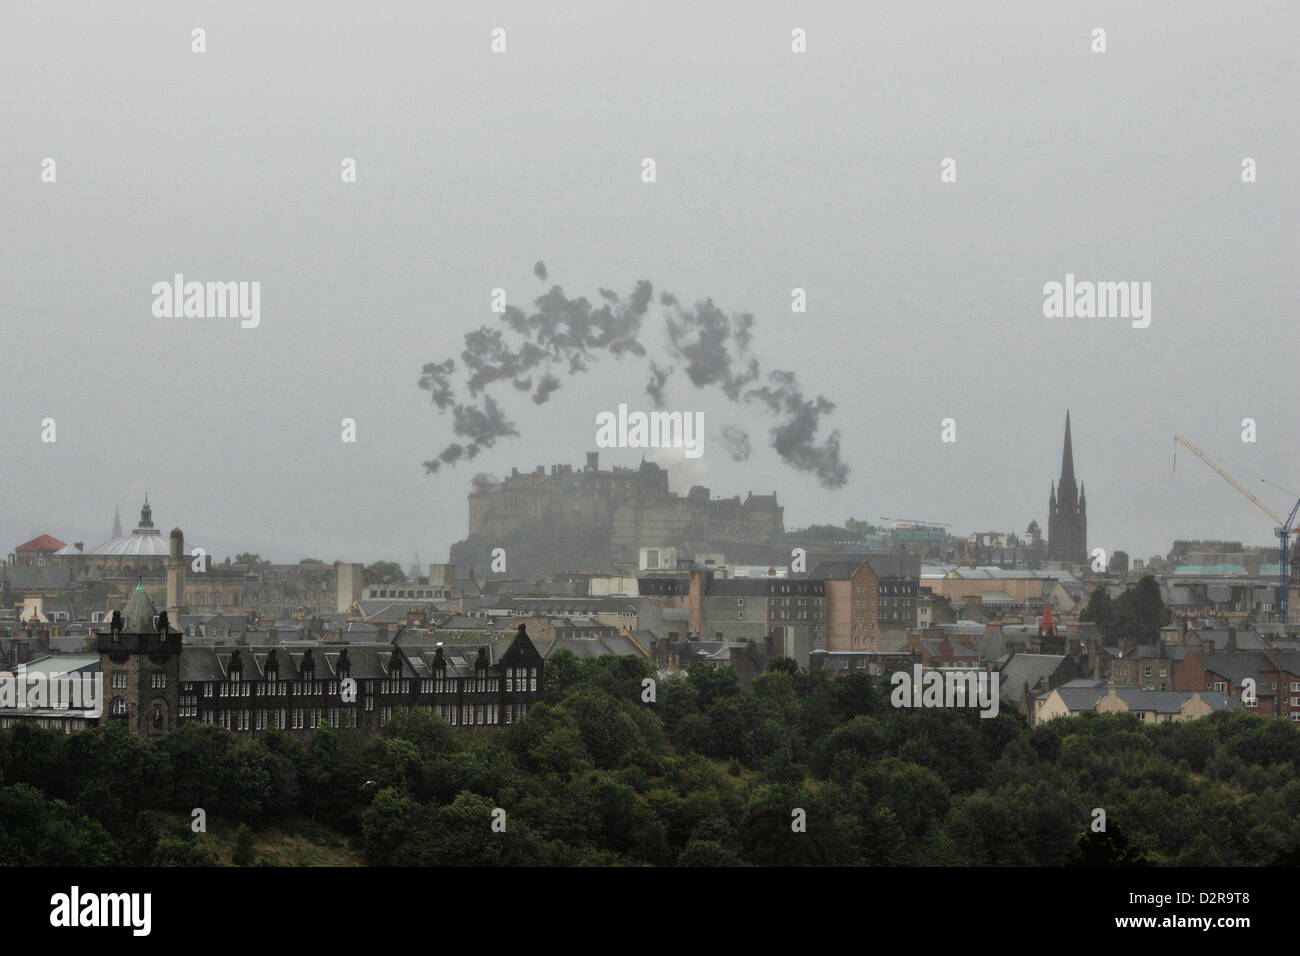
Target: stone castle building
column 568, row 520
column 1067, row 512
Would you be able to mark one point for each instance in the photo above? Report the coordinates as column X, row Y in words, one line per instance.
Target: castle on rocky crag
column 565, row 519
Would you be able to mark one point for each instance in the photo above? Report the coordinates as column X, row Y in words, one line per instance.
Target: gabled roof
column 1239, row 665
column 1031, row 669
column 521, row 651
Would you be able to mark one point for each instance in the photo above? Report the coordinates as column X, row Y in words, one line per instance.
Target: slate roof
column 1239, row 665
column 459, row 622
column 1078, row 698
column 366, row 660
column 1246, row 640
column 1150, row 701
column 386, row 612
column 589, row 647
column 1172, row 652
column 1022, row 669
column 834, row 570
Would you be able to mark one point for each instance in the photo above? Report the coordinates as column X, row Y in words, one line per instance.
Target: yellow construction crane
column 1282, row 527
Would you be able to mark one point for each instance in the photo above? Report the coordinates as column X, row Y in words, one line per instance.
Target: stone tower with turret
column 140, row 658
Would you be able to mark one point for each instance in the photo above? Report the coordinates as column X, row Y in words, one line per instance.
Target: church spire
column 1067, row 454
column 117, row 524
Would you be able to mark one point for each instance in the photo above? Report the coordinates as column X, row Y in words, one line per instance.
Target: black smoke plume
column 565, row 337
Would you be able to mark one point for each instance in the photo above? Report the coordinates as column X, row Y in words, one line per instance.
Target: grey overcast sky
column 775, row 170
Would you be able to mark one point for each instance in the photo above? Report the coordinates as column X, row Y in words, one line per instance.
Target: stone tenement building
column 153, row 683
column 1067, row 512
column 568, row 520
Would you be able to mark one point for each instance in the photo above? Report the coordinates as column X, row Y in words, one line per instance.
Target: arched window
column 118, row 707
column 157, row 716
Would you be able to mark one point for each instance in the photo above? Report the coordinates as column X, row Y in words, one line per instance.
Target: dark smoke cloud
column 548, row 384
column 435, row 379
column 568, row 336
column 711, row 344
column 655, row 387
column 736, row 442
column 795, row 438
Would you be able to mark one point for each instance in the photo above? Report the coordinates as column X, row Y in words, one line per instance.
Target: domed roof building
column 143, row 550
column 144, row 540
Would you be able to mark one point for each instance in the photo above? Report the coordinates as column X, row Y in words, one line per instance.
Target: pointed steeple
column 138, row 615
column 1067, row 454
column 117, row 524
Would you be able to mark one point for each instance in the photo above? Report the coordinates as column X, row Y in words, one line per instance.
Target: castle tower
column 1067, row 511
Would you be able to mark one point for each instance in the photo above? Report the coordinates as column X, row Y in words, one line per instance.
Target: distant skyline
column 775, row 171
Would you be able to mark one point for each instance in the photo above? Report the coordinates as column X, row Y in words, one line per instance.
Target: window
column 118, row 707
column 119, row 680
